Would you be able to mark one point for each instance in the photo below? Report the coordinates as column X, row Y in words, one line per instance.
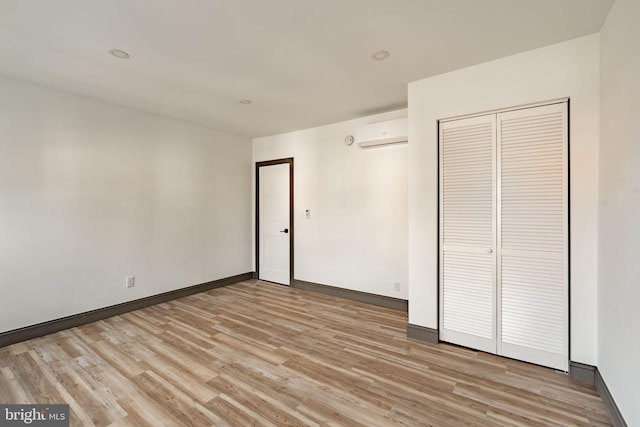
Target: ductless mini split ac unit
column 383, row 133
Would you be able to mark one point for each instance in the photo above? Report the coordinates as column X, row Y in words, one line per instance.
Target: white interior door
column 467, row 232
column 504, row 230
column 533, row 232
column 274, row 216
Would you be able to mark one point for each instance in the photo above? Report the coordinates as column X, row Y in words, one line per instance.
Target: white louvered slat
column 527, row 299
column 532, row 235
column 467, row 232
column 467, row 182
column 469, row 283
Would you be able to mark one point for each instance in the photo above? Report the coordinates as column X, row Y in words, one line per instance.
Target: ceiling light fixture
column 380, row 55
column 119, row 53
column 245, row 101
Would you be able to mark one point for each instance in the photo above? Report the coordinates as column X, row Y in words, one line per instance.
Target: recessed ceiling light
column 380, row 55
column 119, row 53
column 245, row 101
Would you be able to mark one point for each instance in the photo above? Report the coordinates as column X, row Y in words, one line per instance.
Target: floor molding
column 589, row 374
column 422, row 333
column 46, row 328
column 380, row 300
column 582, row 373
column 616, row 416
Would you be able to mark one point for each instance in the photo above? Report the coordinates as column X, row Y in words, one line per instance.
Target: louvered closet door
column 533, row 235
column 467, row 232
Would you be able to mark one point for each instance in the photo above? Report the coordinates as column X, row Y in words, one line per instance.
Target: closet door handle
column 489, row 251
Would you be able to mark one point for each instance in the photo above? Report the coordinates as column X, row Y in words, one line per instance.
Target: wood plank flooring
column 260, row 354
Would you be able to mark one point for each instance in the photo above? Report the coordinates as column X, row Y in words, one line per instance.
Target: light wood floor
column 260, row 354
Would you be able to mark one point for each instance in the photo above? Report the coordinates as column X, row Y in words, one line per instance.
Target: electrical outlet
column 131, row 281
column 396, row 286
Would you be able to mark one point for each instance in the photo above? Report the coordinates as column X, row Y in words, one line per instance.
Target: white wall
column 357, row 235
column 568, row 69
column 619, row 249
column 91, row 192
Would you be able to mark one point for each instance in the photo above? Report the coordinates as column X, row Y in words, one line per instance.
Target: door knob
column 285, row 231
column 489, row 251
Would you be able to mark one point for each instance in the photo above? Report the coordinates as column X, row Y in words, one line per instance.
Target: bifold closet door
column 504, row 234
column 533, row 235
column 468, row 233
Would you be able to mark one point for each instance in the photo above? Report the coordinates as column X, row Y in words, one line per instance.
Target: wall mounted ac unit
column 383, row 133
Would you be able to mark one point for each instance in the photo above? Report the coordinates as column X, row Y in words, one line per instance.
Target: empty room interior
column 359, row 213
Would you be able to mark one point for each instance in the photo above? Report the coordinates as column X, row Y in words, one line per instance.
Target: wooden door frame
column 289, row 161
